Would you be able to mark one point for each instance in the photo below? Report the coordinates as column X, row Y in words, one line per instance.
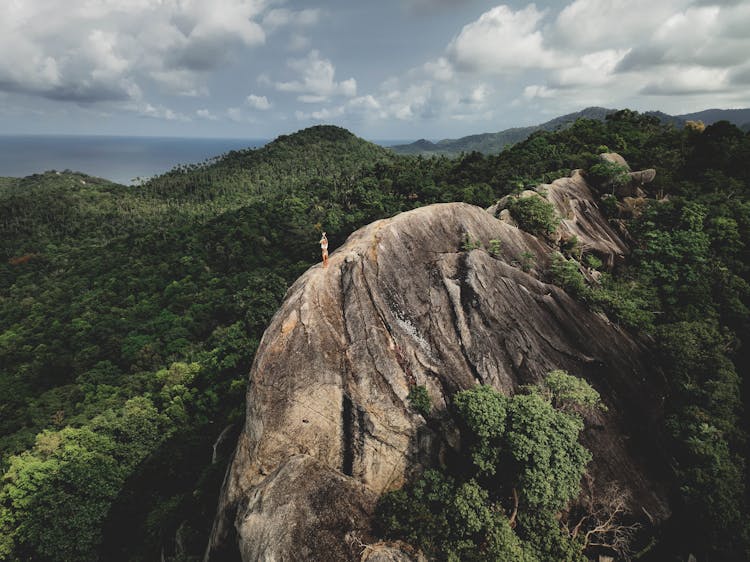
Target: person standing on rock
column 324, row 249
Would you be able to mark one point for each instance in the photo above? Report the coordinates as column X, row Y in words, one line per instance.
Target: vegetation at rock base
column 524, row 464
column 129, row 317
column 569, row 393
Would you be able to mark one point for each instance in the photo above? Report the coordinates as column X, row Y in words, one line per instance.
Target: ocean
column 120, row 159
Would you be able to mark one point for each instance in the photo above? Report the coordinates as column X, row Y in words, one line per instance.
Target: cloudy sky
column 385, row 69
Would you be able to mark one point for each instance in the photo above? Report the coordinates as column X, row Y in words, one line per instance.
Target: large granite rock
column 581, row 218
column 329, row 427
column 614, row 158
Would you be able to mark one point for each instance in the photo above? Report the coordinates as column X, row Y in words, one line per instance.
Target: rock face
column 580, row 216
column 614, row 158
column 329, row 427
column 632, row 187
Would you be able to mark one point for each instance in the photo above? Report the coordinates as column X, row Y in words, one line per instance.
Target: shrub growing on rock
column 534, row 214
column 608, row 174
column 565, row 274
column 419, row 399
column 521, row 447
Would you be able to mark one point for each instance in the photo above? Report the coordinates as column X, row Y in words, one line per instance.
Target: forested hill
column 129, row 318
column 322, row 151
column 489, row 143
column 78, row 209
column 492, row 143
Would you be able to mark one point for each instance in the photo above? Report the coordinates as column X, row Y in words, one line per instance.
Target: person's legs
column 325, row 258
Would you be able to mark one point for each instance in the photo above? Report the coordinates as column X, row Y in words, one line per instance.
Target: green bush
column 470, row 244
column 704, row 420
column 450, row 521
column 565, row 274
column 419, row 399
column 534, row 214
column 627, row 302
column 570, row 393
column 518, row 446
column 495, row 246
column 56, row 496
column 593, row 262
column 608, row 174
column 528, row 260
column 608, row 206
column 482, row 412
column 571, row 247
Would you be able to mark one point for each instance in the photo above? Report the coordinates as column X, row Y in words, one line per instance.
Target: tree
column 55, row 498
column 534, row 214
column 571, row 394
column 519, row 447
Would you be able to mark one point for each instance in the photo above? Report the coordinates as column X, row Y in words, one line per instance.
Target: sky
column 384, row 69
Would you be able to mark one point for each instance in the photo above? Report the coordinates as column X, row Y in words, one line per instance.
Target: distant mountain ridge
column 489, row 143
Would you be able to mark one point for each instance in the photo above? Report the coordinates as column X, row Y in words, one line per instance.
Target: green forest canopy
column 129, row 317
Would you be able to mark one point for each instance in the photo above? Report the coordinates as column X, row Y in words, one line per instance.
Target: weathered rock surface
column 303, row 489
column 575, row 204
column 329, row 427
column 642, row 177
column 632, row 187
column 614, row 158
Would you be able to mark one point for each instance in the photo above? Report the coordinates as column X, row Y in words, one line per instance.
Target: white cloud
column 594, row 24
column 687, row 80
column 740, row 75
column 440, row 69
column 410, row 103
column 281, row 17
column 616, row 52
column 236, row 114
column 156, row 112
column 501, row 40
column 702, row 36
column 595, row 68
column 206, row 114
column 363, row 107
column 537, row 91
column 179, row 81
column 106, row 50
column 415, row 102
column 478, row 95
column 260, row 103
column 298, row 42
column 316, row 83
column 128, row 54
column 264, row 79
column 610, row 53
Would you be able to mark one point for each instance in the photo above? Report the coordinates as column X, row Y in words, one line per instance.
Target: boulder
column 329, row 427
column 614, row 158
column 643, row 177
column 576, row 205
column 300, row 509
